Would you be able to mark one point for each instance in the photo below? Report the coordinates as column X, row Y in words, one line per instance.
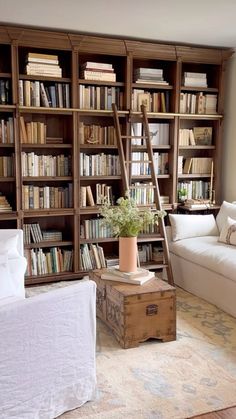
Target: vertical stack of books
column 43, row 65
column 97, row 71
column 136, row 278
column 149, row 76
column 195, row 79
column 4, row 204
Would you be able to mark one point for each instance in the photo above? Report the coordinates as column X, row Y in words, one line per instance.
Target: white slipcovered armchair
column 47, row 343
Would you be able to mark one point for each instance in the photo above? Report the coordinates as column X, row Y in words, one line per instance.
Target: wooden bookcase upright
column 78, row 222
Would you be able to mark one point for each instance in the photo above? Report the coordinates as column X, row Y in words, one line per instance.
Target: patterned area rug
column 175, row 380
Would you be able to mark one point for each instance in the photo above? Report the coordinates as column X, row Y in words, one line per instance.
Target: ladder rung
column 134, row 136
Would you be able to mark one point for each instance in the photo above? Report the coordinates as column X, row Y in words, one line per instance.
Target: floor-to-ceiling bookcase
column 74, row 130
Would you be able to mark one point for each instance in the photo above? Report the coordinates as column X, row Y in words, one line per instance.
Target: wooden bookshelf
column 87, row 108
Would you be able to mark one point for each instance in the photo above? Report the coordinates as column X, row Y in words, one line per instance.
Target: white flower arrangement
column 126, row 219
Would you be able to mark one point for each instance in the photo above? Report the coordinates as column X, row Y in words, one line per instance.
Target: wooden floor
column 221, row 414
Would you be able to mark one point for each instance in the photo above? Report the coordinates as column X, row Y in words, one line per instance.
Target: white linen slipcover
column 208, row 252
column 206, row 268
column 47, row 353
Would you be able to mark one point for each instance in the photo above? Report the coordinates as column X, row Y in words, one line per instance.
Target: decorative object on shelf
column 127, row 221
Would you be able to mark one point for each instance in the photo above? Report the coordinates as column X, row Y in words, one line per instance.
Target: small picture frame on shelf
column 144, row 99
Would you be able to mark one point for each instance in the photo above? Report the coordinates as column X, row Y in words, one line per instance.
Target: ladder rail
column 157, row 195
column 120, row 147
column 125, row 165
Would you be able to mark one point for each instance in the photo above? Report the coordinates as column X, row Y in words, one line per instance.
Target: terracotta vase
column 128, row 254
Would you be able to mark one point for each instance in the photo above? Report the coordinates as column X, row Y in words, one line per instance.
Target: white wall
column 229, row 136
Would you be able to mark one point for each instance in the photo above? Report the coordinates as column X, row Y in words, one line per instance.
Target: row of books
column 45, row 165
column 95, row 228
column 37, row 197
column 5, row 92
column 198, row 103
column 197, row 203
column 7, row 131
column 4, row 204
column 91, row 257
column 195, row 136
column 33, row 234
column 194, row 189
column 143, row 194
column 141, row 165
column 100, row 97
column 42, row 65
column 103, row 193
column 54, row 260
column 159, row 133
column 99, row 164
column 33, row 132
column 149, row 253
column 7, row 166
column 91, row 70
column 191, row 79
column 197, row 165
column 97, row 134
column 35, row 93
column 154, row 102
column 149, row 76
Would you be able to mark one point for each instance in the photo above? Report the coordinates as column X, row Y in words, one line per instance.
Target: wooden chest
column 136, row 313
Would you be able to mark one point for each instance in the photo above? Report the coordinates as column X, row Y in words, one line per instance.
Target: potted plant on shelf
column 127, row 220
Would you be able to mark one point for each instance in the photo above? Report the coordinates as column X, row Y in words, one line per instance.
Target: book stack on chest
column 137, row 278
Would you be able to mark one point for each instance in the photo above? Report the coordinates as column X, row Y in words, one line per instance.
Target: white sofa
column 47, row 348
column 201, row 263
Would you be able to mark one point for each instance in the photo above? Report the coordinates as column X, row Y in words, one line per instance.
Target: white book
column 133, row 281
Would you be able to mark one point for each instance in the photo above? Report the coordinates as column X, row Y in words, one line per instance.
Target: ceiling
column 206, row 22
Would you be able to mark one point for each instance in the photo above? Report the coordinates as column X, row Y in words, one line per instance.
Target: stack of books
column 197, row 203
column 136, row 278
column 97, row 71
column 43, row 65
column 195, row 79
column 149, row 75
column 4, row 204
column 52, row 235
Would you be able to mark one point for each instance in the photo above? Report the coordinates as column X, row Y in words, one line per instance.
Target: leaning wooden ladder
column 126, row 175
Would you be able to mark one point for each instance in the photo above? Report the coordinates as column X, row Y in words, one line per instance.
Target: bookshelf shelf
column 46, row 146
column 45, row 78
column 30, row 132
column 200, row 89
column 49, row 212
column 47, row 178
column 194, row 175
column 197, row 147
column 101, row 83
column 151, row 86
column 45, row 110
column 7, row 179
column 48, row 244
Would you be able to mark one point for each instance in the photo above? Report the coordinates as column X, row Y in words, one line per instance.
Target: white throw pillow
column 9, row 247
column 228, row 232
column 226, row 210
column 6, row 286
column 184, row 226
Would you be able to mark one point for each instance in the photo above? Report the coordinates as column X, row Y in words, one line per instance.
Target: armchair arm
column 47, row 352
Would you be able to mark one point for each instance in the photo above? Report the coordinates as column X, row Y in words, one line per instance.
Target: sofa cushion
column 207, row 252
column 226, row 210
column 9, row 246
column 228, row 232
column 6, row 285
column 184, row 226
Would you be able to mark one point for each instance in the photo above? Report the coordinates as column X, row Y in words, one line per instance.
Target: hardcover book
column 115, row 275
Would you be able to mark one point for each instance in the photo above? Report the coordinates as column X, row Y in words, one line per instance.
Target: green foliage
column 126, row 219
